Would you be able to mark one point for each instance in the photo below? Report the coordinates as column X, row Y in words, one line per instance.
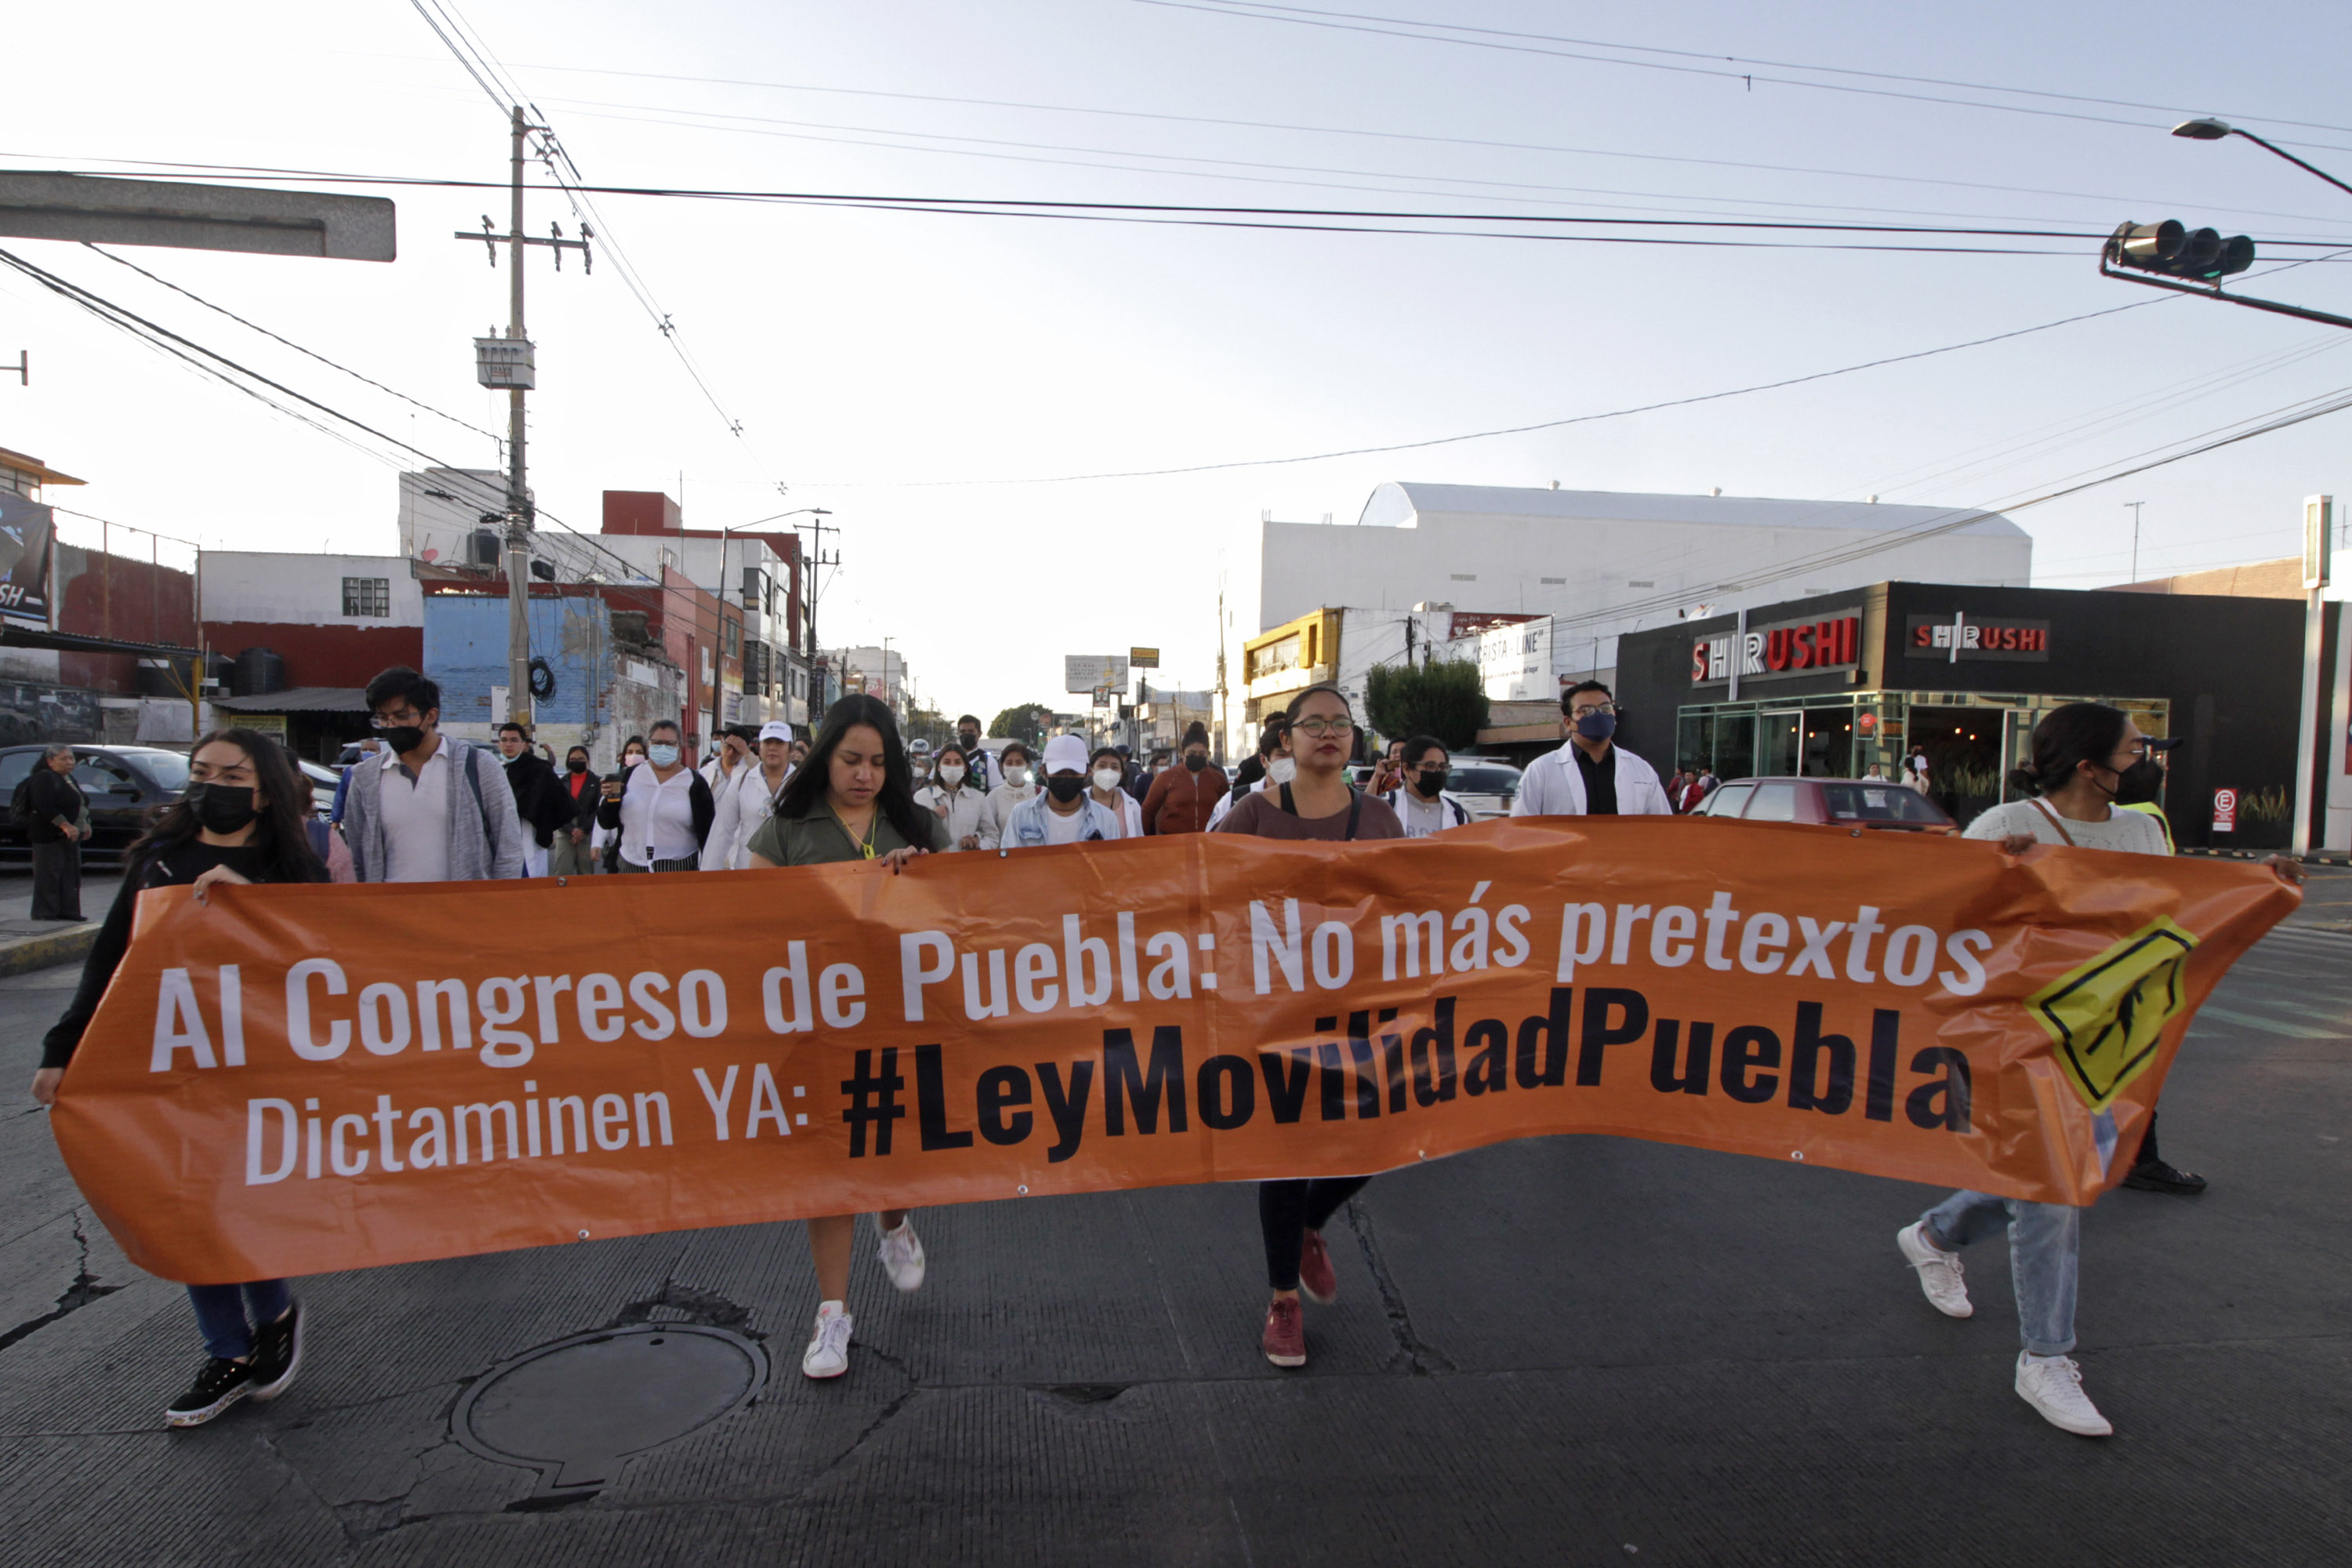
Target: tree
column 1024, row 722
column 1445, row 700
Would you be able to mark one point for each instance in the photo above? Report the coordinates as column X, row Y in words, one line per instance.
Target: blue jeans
column 221, row 1313
column 2045, row 1255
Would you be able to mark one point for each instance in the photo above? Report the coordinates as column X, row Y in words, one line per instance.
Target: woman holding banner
column 1316, row 802
column 853, row 800
column 2084, row 755
column 240, row 820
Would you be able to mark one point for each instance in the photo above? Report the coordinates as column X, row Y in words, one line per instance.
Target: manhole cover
column 576, row 1409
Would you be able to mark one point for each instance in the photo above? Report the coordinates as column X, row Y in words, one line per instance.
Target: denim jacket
column 1025, row 827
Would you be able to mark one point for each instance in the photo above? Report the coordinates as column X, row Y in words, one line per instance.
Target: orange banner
column 297, row 1079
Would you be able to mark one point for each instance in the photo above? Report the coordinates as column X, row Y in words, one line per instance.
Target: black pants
column 57, row 881
column 1286, row 1211
column 2148, row 1154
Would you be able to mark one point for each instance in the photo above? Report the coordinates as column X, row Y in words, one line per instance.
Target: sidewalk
column 28, row 945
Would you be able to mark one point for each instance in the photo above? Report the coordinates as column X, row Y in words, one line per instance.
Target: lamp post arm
column 2308, row 168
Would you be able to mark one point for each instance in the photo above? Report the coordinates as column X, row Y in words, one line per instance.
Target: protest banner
column 295, row 1079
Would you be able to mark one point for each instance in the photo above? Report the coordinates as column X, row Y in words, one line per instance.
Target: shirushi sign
column 295, row 1079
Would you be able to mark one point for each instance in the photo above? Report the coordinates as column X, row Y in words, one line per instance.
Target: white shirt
column 1423, row 817
column 965, row 810
column 657, row 816
column 1060, row 829
column 2133, row 831
column 417, row 817
column 1553, row 785
column 1128, row 809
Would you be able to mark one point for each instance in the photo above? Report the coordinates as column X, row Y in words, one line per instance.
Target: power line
column 298, row 348
column 1331, row 21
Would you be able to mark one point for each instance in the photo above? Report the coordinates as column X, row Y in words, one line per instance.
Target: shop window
column 367, row 595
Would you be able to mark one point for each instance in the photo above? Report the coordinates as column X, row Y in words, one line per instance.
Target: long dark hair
column 804, row 792
column 2074, row 733
column 281, row 839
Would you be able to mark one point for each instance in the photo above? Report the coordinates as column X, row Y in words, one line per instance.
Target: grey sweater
column 485, row 836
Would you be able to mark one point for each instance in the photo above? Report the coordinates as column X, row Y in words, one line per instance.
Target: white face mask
column 951, row 773
column 1016, row 774
column 1106, row 778
column 1281, row 770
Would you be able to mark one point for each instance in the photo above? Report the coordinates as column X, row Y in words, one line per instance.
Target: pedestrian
column 918, row 762
column 955, row 799
column 734, row 754
column 238, row 821
column 1591, row 774
column 55, row 816
column 1875, row 773
column 800, row 753
column 1388, row 774
column 542, row 802
column 749, row 800
column 368, row 748
column 1182, row 799
column 1271, row 762
column 429, row 807
column 1065, row 810
column 1316, row 803
column 325, row 842
column 1422, row 804
column 2142, row 790
column 1915, row 769
column 605, row 842
column 1109, row 781
column 987, row 773
column 853, row 800
column 571, row 853
column 2084, row 755
column 1013, row 763
column 662, row 808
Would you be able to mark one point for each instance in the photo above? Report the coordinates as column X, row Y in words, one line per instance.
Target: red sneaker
column 1315, row 1276
column 1285, row 1333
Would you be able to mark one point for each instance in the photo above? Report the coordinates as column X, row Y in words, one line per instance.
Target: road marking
column 2271, row 1025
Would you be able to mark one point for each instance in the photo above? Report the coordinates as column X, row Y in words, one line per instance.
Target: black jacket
column 584, row 810
column 540, row 799
column 51, row 795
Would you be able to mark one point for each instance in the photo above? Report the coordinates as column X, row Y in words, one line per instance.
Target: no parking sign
column 2225, row 811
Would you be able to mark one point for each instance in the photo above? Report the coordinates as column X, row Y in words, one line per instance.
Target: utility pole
column 1225, row 710
column 2135, row 506
column 817, row 558
column 508, row 363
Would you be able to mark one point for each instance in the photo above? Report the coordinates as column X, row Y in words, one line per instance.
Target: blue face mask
column 663, row 754
column 1597, row 726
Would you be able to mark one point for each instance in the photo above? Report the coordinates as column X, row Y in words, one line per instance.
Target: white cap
column 919, row 748
column 1066, row 754
column 774, row 730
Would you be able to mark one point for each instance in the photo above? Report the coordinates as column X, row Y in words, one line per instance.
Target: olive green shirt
column 820, row 839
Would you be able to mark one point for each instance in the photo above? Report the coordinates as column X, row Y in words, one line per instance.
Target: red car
column 1833, row 802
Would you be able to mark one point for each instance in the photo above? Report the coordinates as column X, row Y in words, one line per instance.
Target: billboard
column 26, row 535
column 1085, row 671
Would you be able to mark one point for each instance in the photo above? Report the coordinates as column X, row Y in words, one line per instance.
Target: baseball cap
column 1066, row 754
column 774, row 730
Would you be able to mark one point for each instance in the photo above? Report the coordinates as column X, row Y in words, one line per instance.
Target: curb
column 47, row 949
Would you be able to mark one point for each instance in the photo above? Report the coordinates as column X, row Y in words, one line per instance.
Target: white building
column 1595, row 563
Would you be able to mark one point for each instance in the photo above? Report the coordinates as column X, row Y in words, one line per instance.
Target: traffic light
column 2174, row 250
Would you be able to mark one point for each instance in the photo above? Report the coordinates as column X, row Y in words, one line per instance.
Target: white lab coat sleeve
column 718, row 849
column 1534, row 798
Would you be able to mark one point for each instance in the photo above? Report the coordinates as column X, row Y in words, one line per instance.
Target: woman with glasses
column 853, row 800
column 1591, row 774
column 1318, row 803
column 1422, row 802
column 2085, row 754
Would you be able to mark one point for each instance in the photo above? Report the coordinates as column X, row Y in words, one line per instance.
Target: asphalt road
column 1572, row 1350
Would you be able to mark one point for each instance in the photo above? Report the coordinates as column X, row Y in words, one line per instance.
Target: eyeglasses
column 1319, row 728
column 1436, row 773
column 1582, row 709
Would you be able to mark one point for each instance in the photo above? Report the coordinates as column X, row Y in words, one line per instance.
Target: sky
column 919, row 374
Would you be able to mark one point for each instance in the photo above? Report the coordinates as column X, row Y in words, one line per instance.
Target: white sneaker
column 828, row 1354
column 1939, row 1271
column 902, row 1256
column 2053, row 1386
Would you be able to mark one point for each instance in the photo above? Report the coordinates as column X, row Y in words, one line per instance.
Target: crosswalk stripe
column 2270, row 1025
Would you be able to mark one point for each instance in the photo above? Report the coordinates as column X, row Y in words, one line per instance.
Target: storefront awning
column 298, row 699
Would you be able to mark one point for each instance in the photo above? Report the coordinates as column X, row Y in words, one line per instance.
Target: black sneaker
column 2155, row 1176
column 221, row 1384
column 277, row 1354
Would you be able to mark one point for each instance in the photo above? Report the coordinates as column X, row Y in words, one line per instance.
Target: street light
column 2210, row 130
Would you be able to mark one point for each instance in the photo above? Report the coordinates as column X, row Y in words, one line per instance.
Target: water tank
column 258, row 672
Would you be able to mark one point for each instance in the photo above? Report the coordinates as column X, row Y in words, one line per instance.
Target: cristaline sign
column 299, row 1079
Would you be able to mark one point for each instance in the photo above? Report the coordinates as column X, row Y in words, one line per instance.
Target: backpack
column 20, row 803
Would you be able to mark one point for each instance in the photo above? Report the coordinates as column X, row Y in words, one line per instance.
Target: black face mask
column 1428, row 782
column 1066, row 786
column 2140, row 783
column 576, row 764
column 221, row 808
column 402, row 738
column 1195, row 760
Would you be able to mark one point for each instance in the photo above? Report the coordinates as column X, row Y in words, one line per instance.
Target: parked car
column 1835, row 802
column 123, row 783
